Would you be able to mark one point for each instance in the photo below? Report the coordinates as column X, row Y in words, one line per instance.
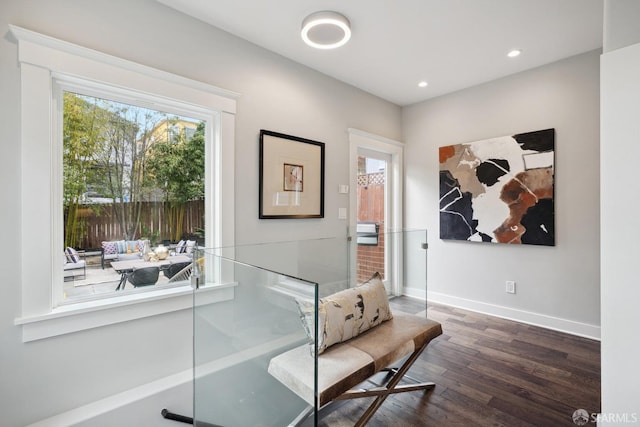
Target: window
column 52, row 71
column 133, row 184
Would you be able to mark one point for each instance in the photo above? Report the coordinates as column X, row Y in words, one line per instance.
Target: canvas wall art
column 499, row 190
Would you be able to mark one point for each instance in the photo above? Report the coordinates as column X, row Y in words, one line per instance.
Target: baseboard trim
column 544, row 321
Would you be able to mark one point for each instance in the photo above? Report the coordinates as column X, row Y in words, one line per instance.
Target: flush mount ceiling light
column 514, row 53
column 423, row 84
column 326, row 30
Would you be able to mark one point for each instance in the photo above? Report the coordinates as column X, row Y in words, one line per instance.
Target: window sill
column 93, row 314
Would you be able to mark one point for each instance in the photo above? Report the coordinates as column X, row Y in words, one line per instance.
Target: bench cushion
column 345, row 365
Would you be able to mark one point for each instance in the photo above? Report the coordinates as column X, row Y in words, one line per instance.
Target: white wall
column 620, row 86
column 556, row 286
column 620, row 237
column 46, row 377
column 620, row 27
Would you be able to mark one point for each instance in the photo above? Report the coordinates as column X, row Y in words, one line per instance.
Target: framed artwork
column 291, row 177
column 499, row 190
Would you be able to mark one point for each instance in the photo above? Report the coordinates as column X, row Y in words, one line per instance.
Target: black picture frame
column 301, row 196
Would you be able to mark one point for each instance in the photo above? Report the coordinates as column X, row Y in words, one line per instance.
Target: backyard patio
column 97, row 280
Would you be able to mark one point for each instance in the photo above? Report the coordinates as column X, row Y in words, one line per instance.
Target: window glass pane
column 133, row 184
column 371, row 199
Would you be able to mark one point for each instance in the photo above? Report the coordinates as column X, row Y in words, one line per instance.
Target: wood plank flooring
column 488, row 372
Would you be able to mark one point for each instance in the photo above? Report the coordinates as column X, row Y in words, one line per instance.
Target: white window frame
column 46, row 63
column 63, row 83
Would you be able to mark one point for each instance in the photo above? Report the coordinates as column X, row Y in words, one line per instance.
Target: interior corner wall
column 50, row 376
column 558, row 286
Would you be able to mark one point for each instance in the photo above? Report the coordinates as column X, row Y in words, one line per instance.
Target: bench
column 345, row 365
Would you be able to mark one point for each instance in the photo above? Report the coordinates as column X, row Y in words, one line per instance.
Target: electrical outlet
column 511, row 287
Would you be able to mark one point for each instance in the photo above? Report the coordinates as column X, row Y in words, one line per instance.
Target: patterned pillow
column 109, row 248
column 180, row 247
column 72, row 255
column 190, row 245
column 348, row 313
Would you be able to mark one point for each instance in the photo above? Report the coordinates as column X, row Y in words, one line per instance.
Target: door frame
column 359, row 139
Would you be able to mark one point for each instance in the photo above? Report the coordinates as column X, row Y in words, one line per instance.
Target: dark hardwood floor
column 488, row 372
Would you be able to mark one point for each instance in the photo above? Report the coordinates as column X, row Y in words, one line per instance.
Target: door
column 376, row 209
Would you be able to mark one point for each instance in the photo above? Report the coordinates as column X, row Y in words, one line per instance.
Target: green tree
column 82, row 132
column 122, row 163
column 121, row 152
column 177, row 167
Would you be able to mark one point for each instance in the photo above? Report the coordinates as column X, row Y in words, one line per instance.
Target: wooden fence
column 99, row 222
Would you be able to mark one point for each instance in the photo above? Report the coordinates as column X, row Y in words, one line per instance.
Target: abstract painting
column 499, row 190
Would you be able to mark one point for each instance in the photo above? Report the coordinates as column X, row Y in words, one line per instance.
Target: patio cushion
column 181, row 247
column 75, row 265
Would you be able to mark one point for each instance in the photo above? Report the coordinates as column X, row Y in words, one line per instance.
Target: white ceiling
column 452, row 44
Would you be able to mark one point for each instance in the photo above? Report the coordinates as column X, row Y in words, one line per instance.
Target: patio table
column 127, row 266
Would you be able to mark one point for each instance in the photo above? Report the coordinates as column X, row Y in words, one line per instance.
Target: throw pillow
column 346, row 314
column 180, row 247
column 132, row 246
column 109, row 248
column 121, row 245
column 72, row 255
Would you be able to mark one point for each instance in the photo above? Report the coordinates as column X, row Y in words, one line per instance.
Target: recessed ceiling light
column 423, row 84
column 514, row 53
column 326, row 30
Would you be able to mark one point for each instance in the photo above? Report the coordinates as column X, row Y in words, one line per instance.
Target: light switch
column 343, row 189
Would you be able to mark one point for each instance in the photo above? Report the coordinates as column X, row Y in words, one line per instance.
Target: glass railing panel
column 414, row 265
column 398, row 256
column 236, row 339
